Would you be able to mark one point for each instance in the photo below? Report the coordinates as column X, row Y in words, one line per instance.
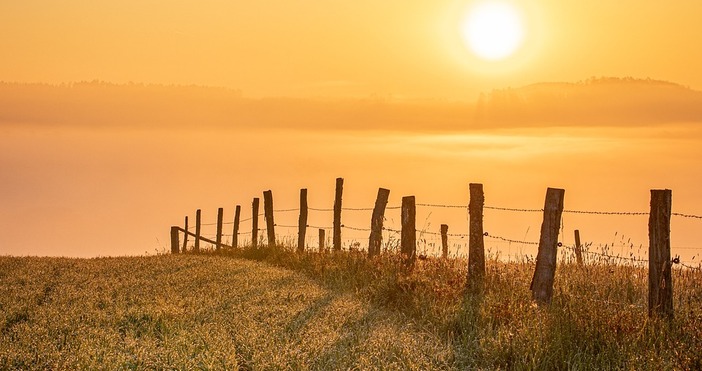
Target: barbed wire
column 461, row 235
column 318, row 209
column 685, row 248
column 486, row 234
column 343, row 209
column 317, row 227
column 357, row 208
column 687, row 215
column 444, row 206
column 604, row 212
column 513, row 209
column 286, row 210
column 355, row 228
column 569, row 211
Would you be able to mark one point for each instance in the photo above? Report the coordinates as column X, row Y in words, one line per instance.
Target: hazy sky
column 341, row 48
column 106, row 169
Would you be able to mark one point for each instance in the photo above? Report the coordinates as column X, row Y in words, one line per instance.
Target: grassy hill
column 332, row 311
column 197, row 312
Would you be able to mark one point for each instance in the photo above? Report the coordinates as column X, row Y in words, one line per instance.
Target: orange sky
column 341, row 48
column 105, row 169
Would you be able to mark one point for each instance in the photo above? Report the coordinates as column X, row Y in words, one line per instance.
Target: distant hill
column 100, row 104
column 596, row 101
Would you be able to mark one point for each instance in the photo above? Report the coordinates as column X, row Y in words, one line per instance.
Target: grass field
column 273, row 309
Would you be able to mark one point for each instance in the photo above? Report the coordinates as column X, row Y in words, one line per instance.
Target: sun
column 493, row 30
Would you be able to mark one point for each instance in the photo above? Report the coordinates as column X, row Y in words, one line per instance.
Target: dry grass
column 195, row 312
column 598, row 318
column 336, row 311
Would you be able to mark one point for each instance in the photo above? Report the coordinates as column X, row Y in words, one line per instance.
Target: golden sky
column 105, row 168
column 340, row 48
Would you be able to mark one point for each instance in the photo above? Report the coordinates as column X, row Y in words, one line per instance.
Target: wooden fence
column 660, row 299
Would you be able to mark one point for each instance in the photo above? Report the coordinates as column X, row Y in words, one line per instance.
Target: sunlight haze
column 119, row 118
column 341, row 49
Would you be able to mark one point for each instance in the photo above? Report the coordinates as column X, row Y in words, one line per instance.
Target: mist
column 109, row 180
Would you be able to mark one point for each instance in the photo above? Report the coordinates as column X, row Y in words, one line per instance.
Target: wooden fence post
column 220, row 218
column 337, row 213
column 175, row 246
column 578, row 248
column 542, row 281
column 235, row 230
column 476, row 245
column 660, row 283
column 198, row 226
column 254, row 222
column 185, row 237
column 322, row 238
column 444, row 241
column 408, row 243
column 302, row 221
column 268, row 210
column 376, row 235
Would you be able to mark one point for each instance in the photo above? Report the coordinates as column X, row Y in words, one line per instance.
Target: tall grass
column 335, row 310
column 598, row 317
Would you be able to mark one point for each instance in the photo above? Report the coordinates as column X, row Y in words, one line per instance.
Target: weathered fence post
column 408, row 243
column 220, row 219
column 660, row 283
column 444, row 241
column 542, row 281
column 198, row 226
column 578, row 248
column 376, row 235
column 337, row 213
column 235, row 229
column 302, row 221
column 268, row 210
column 185, row 237
column 175, row 246
column 254, row 223
column 322, row 238
column 476, row 245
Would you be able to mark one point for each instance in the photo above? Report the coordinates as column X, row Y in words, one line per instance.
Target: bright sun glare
column 493, row 30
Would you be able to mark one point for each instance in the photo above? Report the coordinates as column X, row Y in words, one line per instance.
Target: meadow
column 271, row 308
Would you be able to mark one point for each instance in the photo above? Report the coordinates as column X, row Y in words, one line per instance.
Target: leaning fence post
column 254, row 222
column 408, row 243
column 376, row 235
column 542, row 281
column 220, row 216
column 578, row 248
column 322, row 237
column 198, row 226
column 660, row 282
column 302, row 221
column 444, row 241
column 337, row 213
column 235, row 231
column 268, row 210
column 185, row 237
column 476, row 245
column 175, row 246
